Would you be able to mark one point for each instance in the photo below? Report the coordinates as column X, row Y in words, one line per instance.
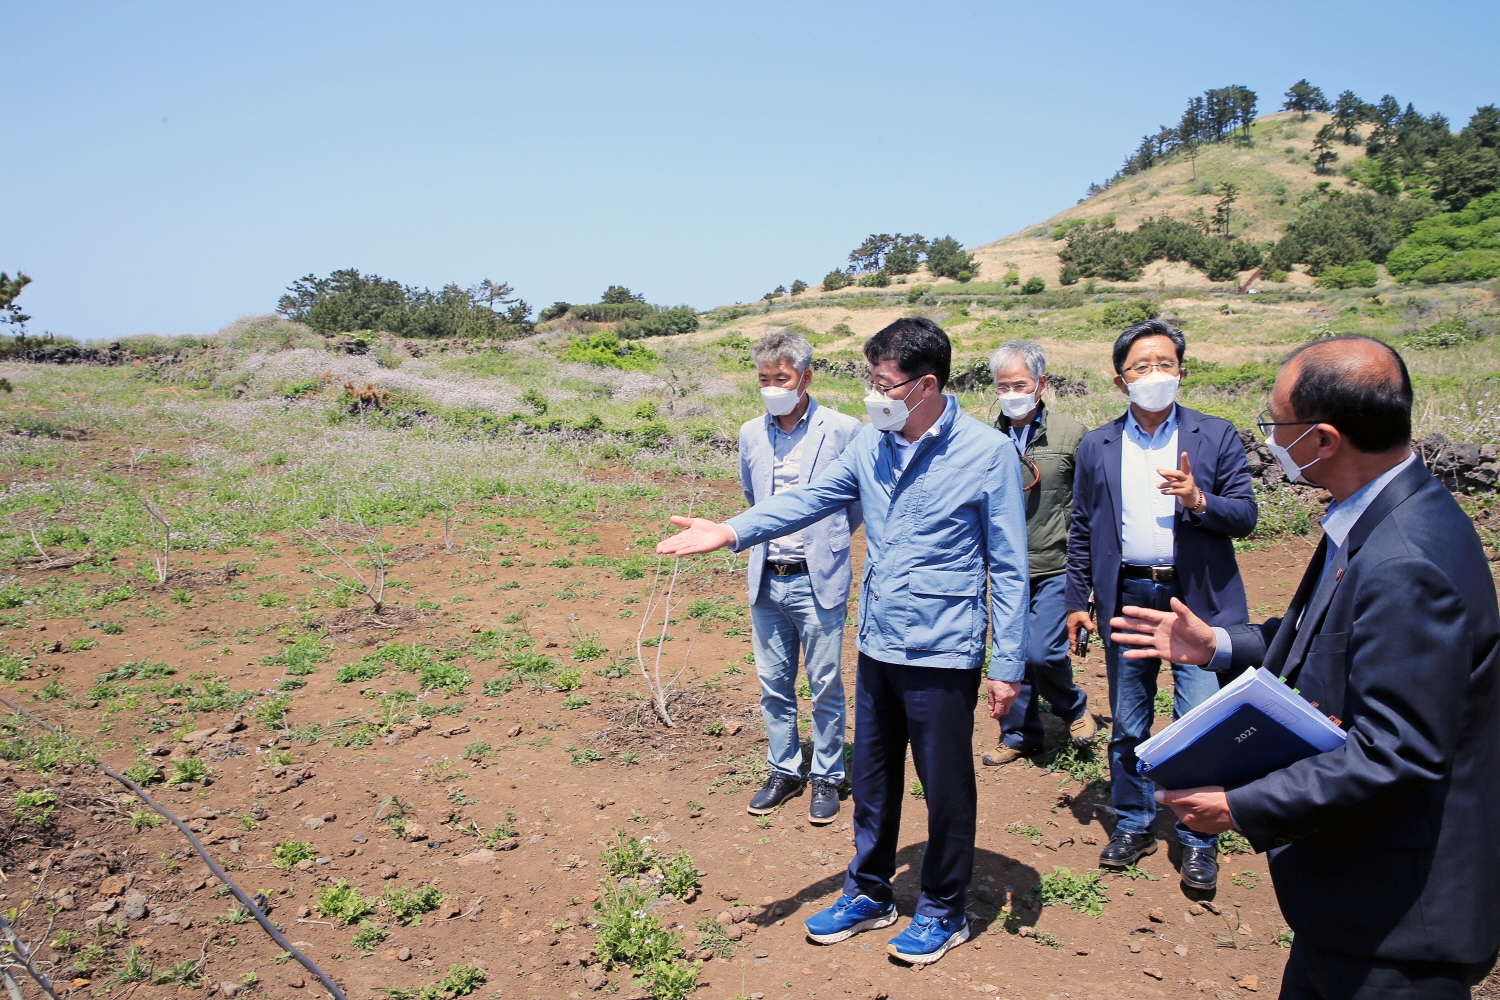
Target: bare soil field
column 546, row 777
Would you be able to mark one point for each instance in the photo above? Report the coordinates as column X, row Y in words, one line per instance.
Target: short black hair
column 917, row 345
column 1370, row 405
column 1150, row 328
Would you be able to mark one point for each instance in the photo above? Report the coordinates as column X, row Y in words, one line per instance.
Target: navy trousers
column 932, row 708
column 1049, row 672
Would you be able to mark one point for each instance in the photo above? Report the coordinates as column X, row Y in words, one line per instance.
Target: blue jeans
column 1049, row 672
column 932, row 709
column 1132, row 693
column 785, row 618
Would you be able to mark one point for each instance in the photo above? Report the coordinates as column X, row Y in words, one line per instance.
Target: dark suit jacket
column 1389, row 847
column 1206, row 565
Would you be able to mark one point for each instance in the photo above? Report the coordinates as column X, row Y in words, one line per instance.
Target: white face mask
column 885, row 413
column 1155, row 392
column 1283, row 456
column 779, row 402
column 1016, row 405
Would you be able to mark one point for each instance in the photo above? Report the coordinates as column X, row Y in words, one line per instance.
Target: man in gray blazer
column 799, row 583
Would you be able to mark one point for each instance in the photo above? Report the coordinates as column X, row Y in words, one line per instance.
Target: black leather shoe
column 1200, row 867
column 824, row 804
column 1125, row 849
column 777, row 789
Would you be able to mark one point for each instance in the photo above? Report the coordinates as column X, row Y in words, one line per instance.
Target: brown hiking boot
column 1004, row 755
column 1083, row 731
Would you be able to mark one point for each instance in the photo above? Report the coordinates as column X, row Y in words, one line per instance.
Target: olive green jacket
column 1049, row 504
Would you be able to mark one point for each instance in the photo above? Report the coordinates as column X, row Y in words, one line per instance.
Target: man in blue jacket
column 799, row 583
column 1159, row 495
column 944, row 517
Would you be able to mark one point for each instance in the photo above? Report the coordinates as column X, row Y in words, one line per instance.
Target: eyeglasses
column 1021, row 387
column 1265, row 422
column 1165, row 367
column 885, row 390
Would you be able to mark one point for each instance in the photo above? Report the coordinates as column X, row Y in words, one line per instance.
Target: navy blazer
column 1206, row 567
column 1389, row 847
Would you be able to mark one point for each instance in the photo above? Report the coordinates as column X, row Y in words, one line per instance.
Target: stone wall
column 1463, row 468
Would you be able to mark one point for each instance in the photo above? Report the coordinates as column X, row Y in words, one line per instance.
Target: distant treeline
column 882, row 255
column 637, row 319
column 347, row 301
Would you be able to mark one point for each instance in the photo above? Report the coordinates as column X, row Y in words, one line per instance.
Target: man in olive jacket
column 1046, row 442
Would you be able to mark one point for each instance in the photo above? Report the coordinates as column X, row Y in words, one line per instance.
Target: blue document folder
column 1252, row 726
column 1249, row 744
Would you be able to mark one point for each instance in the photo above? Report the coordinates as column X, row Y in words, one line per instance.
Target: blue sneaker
column 847, row 917
column 927, row 939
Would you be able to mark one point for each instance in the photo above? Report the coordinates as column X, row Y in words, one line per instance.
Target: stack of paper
column 1253, row 726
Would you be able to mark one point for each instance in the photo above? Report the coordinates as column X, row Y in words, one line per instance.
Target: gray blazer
column 826, row 541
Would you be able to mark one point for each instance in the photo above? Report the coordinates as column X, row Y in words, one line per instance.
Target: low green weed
column 505, row 829
column 343, row 902
column 628, row 933
column 408, row 905
column 186, row 770
column 35, row 807
column 286, row 854
column 573, row 701
column 368, row 936
column 568, row 680
column 589, row 648
column 496, row 687
column 272, row 712
column 679, row 875
column 478, row 751
column 449, row 678
column 1083, row 891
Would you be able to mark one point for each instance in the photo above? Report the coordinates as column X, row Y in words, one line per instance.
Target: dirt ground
column 522, row 913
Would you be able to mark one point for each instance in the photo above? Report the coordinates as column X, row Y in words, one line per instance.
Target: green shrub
column 667, row 323
column 1035, row 285
column 836, row 279
column 1129, row 312
column 875, row 279
column 1083, row 891
column 1362, row 273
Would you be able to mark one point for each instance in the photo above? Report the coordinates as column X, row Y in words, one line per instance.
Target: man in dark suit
column 1384, row 852
column 1158, row 497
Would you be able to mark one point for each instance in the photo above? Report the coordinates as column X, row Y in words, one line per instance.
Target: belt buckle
column 782, row 569
column 1163, row 574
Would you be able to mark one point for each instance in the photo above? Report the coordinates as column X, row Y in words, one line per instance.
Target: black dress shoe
column 1200, row 867
column 824, row 804
column 1125, row 849
column 777, row 789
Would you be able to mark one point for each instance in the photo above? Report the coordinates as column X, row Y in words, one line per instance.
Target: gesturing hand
column 1180, row 483
column 1177, row 635
column 702, row 535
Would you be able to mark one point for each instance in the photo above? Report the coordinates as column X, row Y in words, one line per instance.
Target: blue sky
column 169, row 167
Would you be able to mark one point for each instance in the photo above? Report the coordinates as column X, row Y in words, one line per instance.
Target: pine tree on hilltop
column 1349, row 112
column 1304, row 98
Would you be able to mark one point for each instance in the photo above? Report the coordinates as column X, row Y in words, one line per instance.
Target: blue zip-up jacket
column 955, row 518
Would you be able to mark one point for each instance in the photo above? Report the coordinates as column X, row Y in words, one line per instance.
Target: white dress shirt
column 1147, row 521
column 787, row 475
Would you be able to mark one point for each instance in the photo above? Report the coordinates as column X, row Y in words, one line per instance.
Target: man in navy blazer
column 1384, row 852
column 799, row 583
column 1159, row 495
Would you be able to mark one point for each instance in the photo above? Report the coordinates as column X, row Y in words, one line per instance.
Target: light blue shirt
column 786, row 446
column 1022, row 435
column 1337, row 522
column 1147, row 515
